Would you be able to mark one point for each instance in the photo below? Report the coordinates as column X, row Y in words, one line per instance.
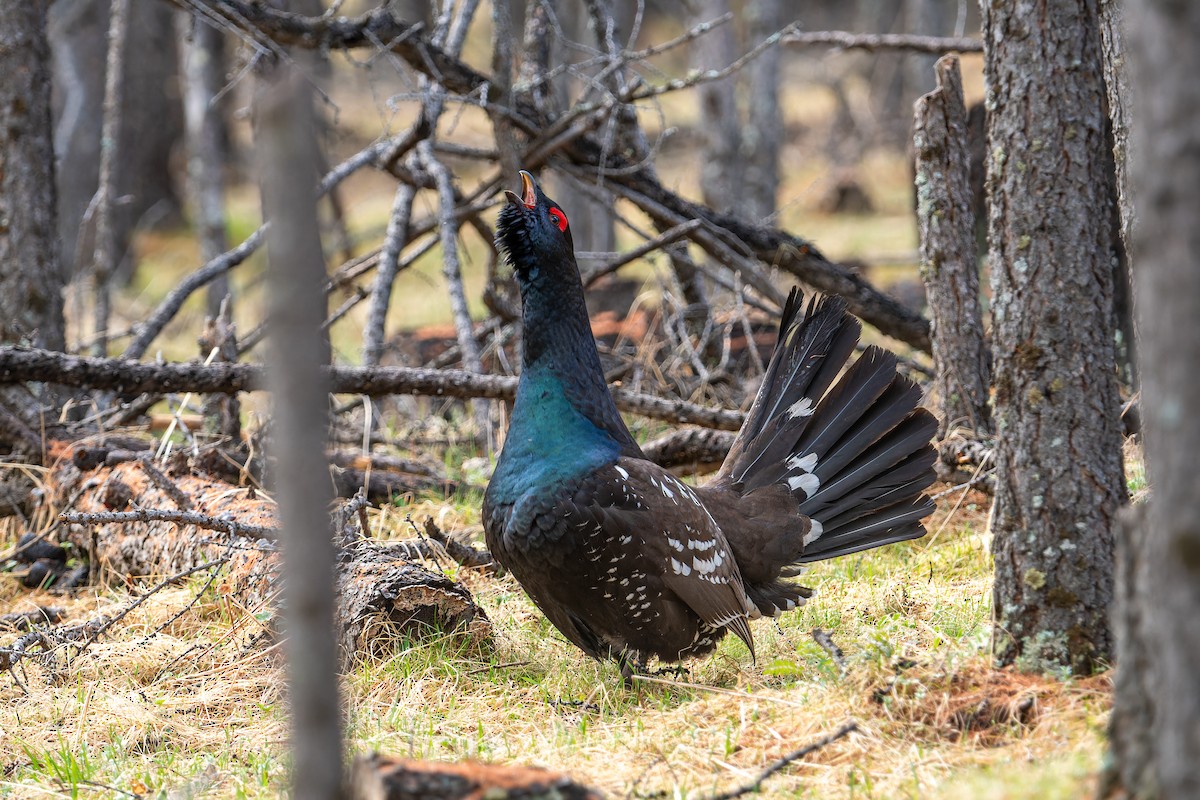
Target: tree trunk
column 152, row 119
column 31, row 281
column 949, row 263
column 1158, row 694
column 1060, row 477
column 763, row 137
column 287, row 154
column 719, row 125
column 203, row 52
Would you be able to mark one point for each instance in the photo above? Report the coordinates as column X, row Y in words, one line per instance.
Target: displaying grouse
column 626, row 560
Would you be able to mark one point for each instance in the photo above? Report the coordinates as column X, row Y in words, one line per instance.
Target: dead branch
column 632, row 179
column 132, row 377
column 464, row 555
column 845, row 40
column 826, row 642
column 697, row 449
column 796, row 755
column 665, row 238
column 225, row 524
column 25, row 620
column 381, row 594
column 168, row 487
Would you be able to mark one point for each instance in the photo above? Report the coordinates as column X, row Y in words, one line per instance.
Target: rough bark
column 1059, row 470
column 31, row 280
column 1165, row 700
column 287, row 156
column 949, row 263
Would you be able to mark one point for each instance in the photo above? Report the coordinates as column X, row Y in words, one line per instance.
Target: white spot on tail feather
column 805, row 481
column 801, row 408
column 804, row 463
column 814, row 532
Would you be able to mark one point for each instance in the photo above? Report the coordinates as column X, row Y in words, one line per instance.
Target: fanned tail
column 856, row 456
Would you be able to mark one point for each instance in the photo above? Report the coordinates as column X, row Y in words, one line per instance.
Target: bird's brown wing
column 697, row 563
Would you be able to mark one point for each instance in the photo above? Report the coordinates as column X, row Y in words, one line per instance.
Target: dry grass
column 195, row 706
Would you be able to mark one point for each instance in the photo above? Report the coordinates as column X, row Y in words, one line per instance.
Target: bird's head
column 533, row 234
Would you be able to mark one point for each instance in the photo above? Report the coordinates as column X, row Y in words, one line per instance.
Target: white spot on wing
column 624, row 474
column 680, row 568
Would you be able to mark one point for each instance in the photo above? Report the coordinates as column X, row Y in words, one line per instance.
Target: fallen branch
column 796, row 755
column 464, row 555
column 25, row 620
column 844, row 40
column 132, row 377
column 225, row 524
column 698, row 449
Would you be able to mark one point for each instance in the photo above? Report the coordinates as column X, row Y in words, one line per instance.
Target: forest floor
column 176, row 701
column 190, row 710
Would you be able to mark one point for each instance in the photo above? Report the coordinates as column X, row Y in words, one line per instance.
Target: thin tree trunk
column 763, row 137
column 203, row 50
column 31, row 278
column 719, row 123
column 109, row 244
column 949, row 263
column 1060, row 478
column 287, row 157
column 1165, row 696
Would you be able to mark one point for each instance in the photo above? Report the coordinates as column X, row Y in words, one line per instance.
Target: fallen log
column 382, row 595
column 377, row 777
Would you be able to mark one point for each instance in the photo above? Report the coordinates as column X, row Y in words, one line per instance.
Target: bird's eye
column 560, row 218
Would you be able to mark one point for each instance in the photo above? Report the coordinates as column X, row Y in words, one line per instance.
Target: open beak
column 528, row 191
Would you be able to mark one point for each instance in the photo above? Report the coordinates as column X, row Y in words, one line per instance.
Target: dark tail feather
column 857, row 455
column 813, row 347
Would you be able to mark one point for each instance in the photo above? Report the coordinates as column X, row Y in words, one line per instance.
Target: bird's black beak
column 528, row 190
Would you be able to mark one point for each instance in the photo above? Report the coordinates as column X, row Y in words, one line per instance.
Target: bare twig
column 822, row 638
column 168, row 487
column 845, row 40
column 662, row 240
column 385, row 273
column 795, row 755
column 464, row 555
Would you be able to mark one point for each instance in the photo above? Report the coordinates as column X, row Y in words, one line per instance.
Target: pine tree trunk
column 763, row 137
column 152, row 119
column 1158, row 695
column 718, row 109
column 949, row 264
column 1059, row 470
column 31, row 282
